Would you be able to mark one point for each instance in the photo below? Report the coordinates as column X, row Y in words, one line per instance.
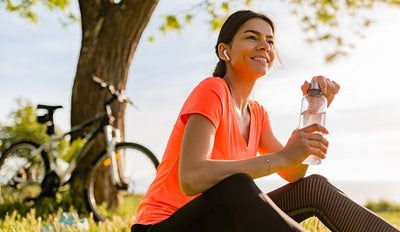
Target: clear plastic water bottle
column 313, row 110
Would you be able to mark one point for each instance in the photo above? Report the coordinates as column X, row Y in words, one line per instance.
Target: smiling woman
column 205, row 180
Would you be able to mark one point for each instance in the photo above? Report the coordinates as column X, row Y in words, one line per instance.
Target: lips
column 261, row 59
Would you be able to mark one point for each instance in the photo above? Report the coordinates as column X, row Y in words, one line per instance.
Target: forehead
column 257, row 24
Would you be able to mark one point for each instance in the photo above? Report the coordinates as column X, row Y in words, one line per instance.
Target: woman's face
column 252, row 48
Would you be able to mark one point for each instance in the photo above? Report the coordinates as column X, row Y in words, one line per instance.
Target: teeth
column 260, row 59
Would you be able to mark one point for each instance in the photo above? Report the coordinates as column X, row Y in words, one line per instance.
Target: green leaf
column 248, row 2
column 330, row 57
column 188, row 18
column 326, row 36
column 150, row 38
column 172, row 22
column 225, row 6
column 216, row 23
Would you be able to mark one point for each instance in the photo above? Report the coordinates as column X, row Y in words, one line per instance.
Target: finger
column 305, row 87
column 317, row 152
column 330, row 86
column 337, row 87
column 322, row 82
column 318, row 145
column 295, row 131
column 315, row 128
column 318, row 138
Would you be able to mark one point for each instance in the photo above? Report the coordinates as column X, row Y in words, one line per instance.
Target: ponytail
column 220, row 69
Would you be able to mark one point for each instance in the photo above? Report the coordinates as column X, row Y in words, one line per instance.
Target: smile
column 260, row 59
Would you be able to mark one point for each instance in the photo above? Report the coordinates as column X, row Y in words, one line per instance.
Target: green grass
column 392, row 217
column 33, row 222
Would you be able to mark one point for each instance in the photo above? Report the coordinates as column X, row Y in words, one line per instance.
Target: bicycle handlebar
column 120, row 95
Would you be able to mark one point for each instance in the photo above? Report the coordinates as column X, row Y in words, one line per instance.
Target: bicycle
column 28, row 171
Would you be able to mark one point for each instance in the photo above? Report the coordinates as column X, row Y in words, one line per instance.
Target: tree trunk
column 110, row 35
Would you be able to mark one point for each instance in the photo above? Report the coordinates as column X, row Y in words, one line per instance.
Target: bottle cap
column 314, row 85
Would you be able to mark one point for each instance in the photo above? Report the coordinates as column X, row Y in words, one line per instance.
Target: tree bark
column 110, row 35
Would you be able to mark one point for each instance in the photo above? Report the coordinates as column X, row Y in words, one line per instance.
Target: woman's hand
column 329, row 88
column 304, row 142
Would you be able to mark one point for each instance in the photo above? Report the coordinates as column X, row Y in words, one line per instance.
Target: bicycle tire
column 141, row 165
column 21, row 174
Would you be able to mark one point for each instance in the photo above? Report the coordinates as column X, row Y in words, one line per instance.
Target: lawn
column 32, row 222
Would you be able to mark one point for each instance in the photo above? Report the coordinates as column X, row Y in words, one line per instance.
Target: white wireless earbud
column 226, row 55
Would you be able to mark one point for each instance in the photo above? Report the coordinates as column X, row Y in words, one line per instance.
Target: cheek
column 272, row 56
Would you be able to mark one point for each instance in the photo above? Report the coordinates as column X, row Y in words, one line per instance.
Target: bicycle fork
column 113, row 136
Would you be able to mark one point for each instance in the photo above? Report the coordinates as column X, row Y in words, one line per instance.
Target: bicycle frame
column 112, row 137
column 104, row 124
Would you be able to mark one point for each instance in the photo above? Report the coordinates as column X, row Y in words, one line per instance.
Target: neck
column 241, row 90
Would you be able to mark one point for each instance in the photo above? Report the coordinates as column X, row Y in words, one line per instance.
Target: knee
column 238, row 179
column 317, row 177
column 317, row 183
column 237, row 184
column 235, row 190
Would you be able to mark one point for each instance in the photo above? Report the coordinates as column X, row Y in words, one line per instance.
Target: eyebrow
column 257, row 33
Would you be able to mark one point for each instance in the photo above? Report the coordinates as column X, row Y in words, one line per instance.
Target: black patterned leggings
column 236, row 204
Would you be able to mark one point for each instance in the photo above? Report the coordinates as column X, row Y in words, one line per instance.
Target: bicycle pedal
column 50, row 184
column 124, row 186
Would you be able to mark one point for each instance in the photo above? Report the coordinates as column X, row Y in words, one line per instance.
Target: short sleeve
column 206, row 99
column 262, row 116
column 266, row 123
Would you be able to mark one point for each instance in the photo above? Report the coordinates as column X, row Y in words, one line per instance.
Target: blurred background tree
column 23, row 126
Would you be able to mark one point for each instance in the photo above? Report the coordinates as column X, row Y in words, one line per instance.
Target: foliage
column 323, row 21
column 44, row 207
column 28, row 8
column 334, row 22
column 383, row 206
column 24, row 126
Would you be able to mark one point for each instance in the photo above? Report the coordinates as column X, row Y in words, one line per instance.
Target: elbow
column 290, row 177
column 293, row 179
column 188, row 184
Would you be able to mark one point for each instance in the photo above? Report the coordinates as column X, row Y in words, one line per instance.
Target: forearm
column 269, row 144
column 292, row 173
column 206, row 173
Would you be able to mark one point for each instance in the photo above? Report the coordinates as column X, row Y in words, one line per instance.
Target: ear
column 223, row 52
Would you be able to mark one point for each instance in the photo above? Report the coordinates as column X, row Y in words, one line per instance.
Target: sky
column 38, row 63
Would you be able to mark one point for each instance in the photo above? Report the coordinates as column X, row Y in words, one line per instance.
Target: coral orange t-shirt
column 212, row 99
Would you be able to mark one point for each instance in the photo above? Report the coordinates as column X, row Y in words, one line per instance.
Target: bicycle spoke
column 137, row 166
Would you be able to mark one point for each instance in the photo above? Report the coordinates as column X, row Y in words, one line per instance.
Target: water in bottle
column 313, row 110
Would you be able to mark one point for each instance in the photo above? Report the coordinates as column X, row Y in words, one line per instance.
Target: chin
column 261, row 73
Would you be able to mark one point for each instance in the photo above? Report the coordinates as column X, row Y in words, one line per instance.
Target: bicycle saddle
column 47, row 117
column 48, row 108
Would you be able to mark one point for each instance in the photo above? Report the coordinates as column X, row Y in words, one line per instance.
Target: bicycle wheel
column 22, row 170
column 137, row 166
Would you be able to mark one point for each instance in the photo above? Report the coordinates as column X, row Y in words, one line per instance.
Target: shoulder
column 256, row 106
column 214, row 83
column 208, row 98
column 211, row 87
column 258, row 110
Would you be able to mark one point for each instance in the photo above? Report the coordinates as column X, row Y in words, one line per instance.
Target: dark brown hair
column 228, row 31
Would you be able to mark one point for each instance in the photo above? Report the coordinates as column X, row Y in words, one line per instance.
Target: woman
column 205, row 180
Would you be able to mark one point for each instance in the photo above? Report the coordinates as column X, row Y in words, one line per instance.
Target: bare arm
column 197, row 172
column 270, row 144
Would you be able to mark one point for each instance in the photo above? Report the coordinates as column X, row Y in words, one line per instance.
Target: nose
column 265, row 45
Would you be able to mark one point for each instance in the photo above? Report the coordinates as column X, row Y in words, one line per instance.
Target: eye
column 271, row 43
column 251, row 37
